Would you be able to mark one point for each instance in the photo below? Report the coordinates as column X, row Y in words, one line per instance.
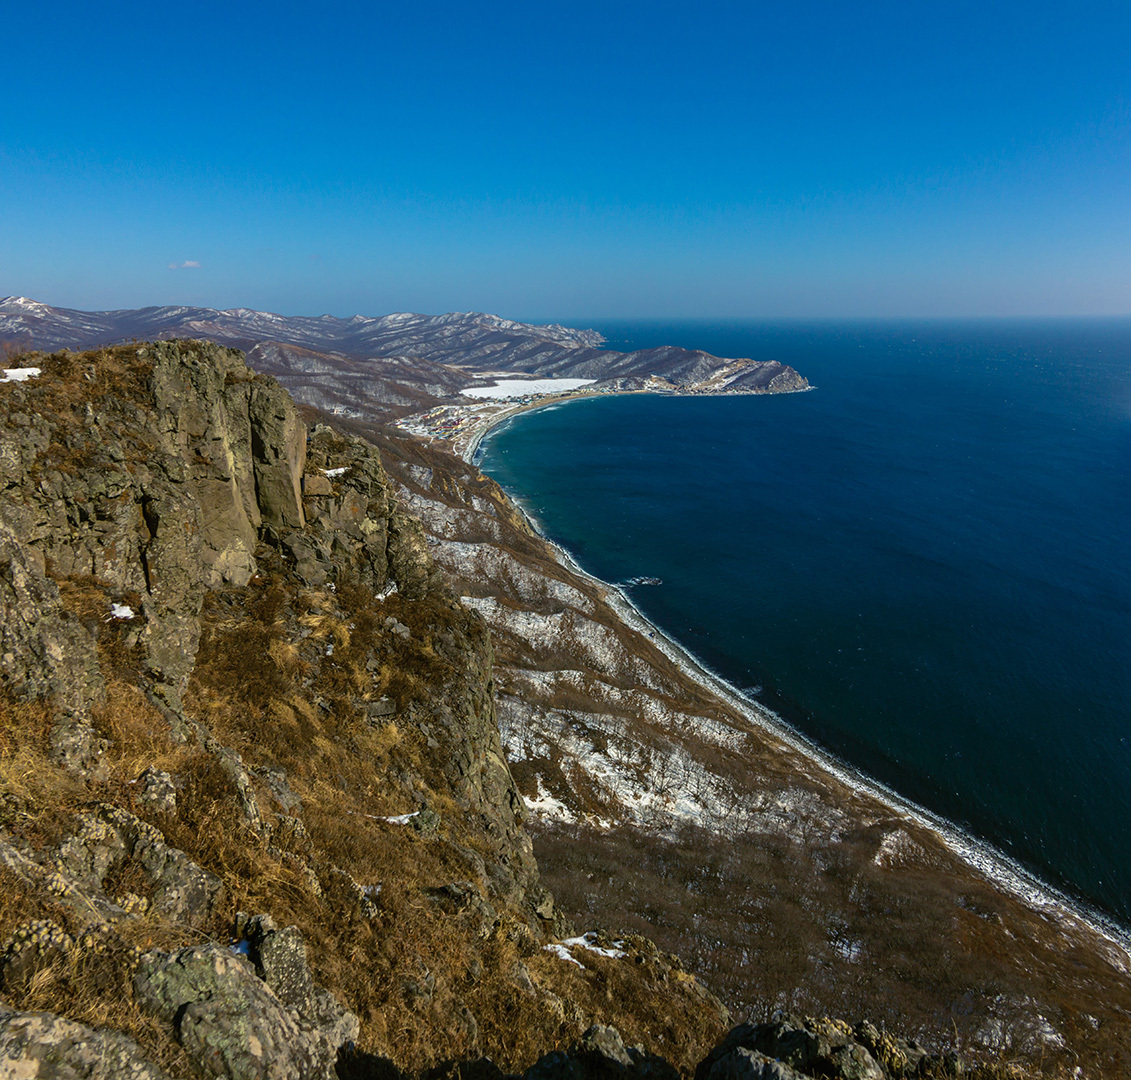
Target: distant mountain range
column 387, row 366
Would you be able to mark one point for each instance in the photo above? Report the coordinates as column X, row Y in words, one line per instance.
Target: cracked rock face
column 110, row 836
column 42, row 651
column 790, row 1047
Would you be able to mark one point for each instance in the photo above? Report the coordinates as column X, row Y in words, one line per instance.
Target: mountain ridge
column 467, row 347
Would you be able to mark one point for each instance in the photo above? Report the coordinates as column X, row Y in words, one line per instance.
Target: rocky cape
column 271, row 696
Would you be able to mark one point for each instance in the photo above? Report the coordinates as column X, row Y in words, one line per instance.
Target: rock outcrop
column 160, row 504
column 233, row 1021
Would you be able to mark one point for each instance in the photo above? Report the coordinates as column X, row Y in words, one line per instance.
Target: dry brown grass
column 770, row 926
column 70, row 384
column 37, row 799
column 929, row 946
column 283, row 677
column 265, row 685
column 88, row 980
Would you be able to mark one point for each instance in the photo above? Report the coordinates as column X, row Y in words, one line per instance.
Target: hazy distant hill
column 327, row 361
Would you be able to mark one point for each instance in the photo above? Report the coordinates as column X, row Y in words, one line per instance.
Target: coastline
column 466, row 445
column 468, row 448
column 981, row 857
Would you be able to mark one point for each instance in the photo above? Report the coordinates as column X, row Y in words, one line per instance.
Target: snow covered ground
column 22, row 374
column 514, row 388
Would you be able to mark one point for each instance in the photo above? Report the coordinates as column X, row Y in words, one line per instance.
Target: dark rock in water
column 49, row 1047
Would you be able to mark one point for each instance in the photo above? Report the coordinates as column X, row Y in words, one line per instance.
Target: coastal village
column 465, row 425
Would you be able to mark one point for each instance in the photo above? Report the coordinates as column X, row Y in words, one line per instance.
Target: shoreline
column 470, row 449
column 467, row 447
column 1003, row 871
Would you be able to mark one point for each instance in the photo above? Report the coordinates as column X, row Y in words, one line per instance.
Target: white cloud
column 188, row 264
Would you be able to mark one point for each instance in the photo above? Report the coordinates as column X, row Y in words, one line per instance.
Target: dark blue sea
column 923, row 564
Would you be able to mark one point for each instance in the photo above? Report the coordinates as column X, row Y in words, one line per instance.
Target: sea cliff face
column 257, row 818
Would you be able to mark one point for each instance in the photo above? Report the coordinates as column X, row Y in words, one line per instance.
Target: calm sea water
column 922, row 564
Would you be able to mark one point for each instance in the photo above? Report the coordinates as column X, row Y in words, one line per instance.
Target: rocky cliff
column 256, row 819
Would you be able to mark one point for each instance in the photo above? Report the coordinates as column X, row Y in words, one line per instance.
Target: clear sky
column 546, row 159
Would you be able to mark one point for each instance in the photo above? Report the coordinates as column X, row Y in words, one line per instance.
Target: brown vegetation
column 431, row 979
column 319, row 713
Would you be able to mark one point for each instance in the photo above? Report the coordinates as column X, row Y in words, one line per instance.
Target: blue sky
column 571, row 160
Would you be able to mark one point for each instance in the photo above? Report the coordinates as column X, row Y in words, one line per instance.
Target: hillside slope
column 379, row 367
column 662, row 804
column 239, row 708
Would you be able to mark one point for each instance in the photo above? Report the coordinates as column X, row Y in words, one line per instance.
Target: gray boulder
column 806, row 1046
column 109, row 837
column 157, row 791
column 43, row 652
column 253, row 1014
column 49, row 1047
column 743, row 1064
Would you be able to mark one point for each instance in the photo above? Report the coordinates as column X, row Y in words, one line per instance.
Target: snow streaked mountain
column 359, row 336
column 387, row 365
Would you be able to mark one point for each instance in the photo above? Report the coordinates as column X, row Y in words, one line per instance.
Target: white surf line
column 1000, row 869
